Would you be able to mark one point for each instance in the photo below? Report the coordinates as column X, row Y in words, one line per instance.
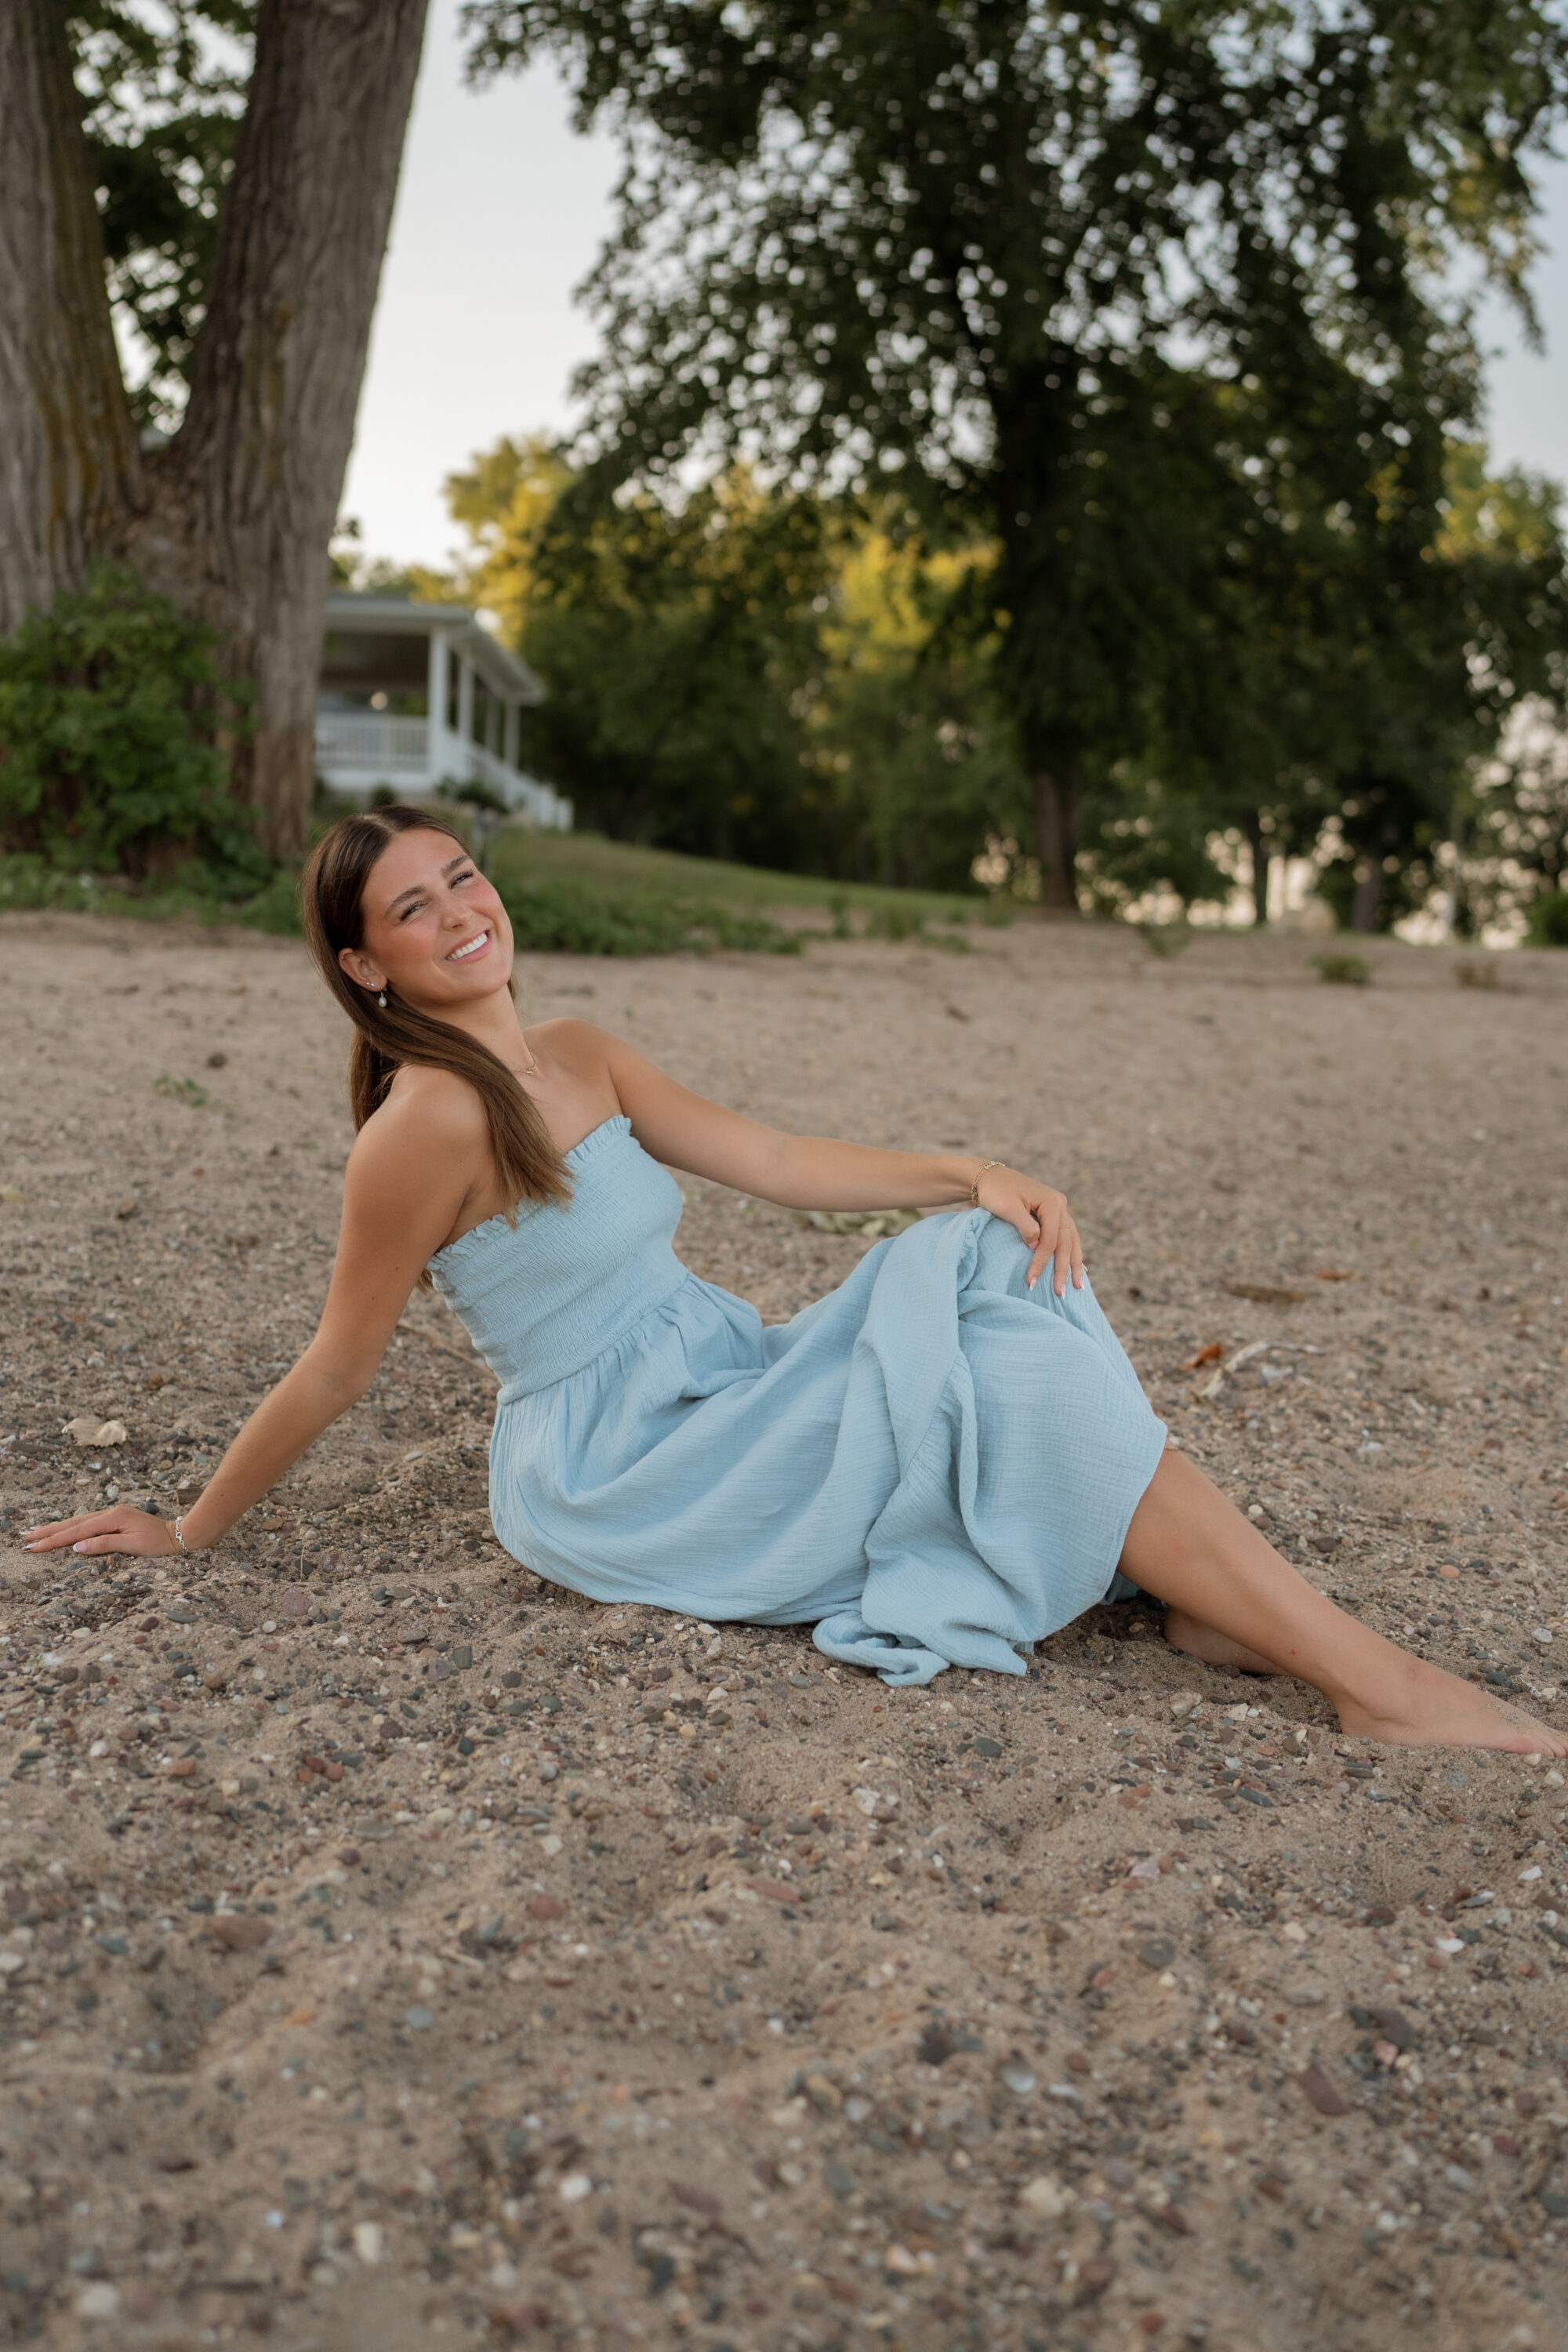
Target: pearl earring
column 381, row 999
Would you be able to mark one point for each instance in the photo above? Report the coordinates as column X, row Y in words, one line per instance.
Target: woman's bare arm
column 410, row 1170
column 819, row 1171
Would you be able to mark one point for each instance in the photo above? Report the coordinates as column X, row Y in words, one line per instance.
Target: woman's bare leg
column 1196, row 1551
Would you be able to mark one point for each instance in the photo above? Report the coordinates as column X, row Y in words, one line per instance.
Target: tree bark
column 1059, row 791
column 1368, row 895
column 1252, row 828
column 244, row 499
column 70, row 471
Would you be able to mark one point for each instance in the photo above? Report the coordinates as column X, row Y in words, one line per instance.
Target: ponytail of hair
column 386, row 1036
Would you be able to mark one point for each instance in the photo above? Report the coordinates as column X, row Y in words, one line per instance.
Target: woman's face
column 434, row 933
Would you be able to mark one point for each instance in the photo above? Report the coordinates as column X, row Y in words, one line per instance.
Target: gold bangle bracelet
column 975, row 1188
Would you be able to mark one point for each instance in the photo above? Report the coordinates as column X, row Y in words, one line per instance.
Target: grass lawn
column 526, row 859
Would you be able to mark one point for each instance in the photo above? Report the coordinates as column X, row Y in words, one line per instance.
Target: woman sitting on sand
column 939, row 1463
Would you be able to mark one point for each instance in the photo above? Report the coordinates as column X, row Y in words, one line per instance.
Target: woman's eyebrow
column 414, row 887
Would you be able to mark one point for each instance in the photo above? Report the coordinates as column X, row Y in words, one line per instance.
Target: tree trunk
column 70, row 471
column 232, row 520
column 245, row 498
column 1058, row 791
column 1252, row 828
column 1368, row 895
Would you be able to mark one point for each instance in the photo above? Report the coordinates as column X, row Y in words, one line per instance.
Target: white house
column 414, row 696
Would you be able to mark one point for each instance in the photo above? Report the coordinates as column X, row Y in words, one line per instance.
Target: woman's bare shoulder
column 580, row 1042
column 425, row 1105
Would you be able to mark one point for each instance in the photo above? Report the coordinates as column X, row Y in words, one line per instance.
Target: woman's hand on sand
column 1043, row 1219
column 120, row 1529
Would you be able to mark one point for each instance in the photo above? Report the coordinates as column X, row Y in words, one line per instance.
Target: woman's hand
column 122, row 1529
column 1043, row 1219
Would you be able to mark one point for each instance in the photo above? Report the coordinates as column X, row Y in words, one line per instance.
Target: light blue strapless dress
column 933, row 1465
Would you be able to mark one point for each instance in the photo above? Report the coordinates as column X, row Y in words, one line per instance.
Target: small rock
column 545, row 1906
column 1045, row 2199
column 1018, row 2079
column 1323, row 2095
column 887, row 1922
column 1158, row 1953
column 875, row 1805
column 573, row 2186
column 776, row 1892
column 418, row 2019
column 98, row 2301
column 296, row 1601
column 934, row 2046
column 369, row 2243
column 984, row 1746
column 240, row 1931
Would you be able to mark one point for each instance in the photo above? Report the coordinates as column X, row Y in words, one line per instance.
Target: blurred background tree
column 772, row 677
column 173, row 180
column 1161, row 301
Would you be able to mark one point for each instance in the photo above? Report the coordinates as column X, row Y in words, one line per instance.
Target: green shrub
column 475, row 792
column 555, row 916
column 1345, row 971
column 276, row 907
column 109, row 706
column 894, row 922
column 31, row 881
column 1548, row 919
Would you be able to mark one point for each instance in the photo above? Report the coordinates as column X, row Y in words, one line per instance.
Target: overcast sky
column 499, row 214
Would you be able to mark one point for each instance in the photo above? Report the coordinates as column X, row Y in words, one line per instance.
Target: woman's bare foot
column 1424, row 1708
column 1231, row 1600
column 1196, row 1640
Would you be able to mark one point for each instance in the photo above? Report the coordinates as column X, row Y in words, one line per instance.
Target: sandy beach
column 398, row 1951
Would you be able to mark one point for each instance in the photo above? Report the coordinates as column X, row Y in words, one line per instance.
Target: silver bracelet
column 179, row 1538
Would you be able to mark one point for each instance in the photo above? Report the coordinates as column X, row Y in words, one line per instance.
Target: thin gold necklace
column 532, row 1069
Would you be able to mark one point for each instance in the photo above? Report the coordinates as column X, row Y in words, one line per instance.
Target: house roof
column 383, row 616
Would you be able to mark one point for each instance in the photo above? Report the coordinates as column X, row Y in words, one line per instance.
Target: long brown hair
column 331, row 889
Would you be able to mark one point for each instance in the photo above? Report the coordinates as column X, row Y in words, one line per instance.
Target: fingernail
column 81, row 1547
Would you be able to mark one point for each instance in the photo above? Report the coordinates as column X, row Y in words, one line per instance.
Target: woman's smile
column 470, row 948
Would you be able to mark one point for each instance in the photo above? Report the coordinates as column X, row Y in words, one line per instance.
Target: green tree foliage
column 112, row 718
column 737, row 674
column 164, row 92
column 1155, row 290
